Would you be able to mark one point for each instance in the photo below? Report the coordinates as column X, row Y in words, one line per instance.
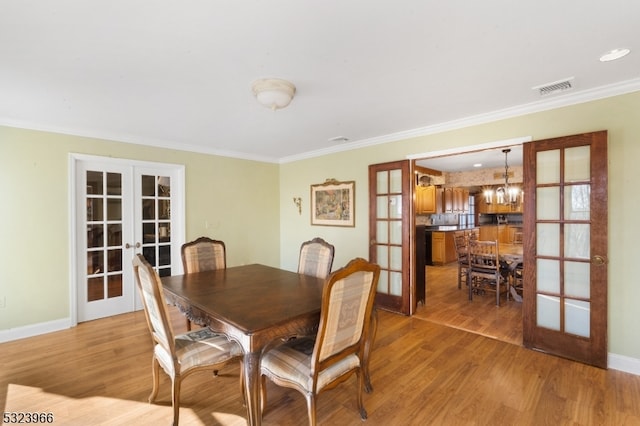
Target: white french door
column 122, row 208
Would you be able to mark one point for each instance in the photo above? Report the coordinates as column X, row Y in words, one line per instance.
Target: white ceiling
column 178, row 73
column 489, row 158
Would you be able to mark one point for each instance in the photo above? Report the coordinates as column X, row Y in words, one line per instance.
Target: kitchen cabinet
column 502, row 233
column 443, row 248
column 447, row 200
column 426, row 199
column 455, row 200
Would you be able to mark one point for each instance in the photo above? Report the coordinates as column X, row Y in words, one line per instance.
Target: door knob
column 598, row 260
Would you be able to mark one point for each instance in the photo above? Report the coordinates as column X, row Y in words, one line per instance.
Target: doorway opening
column 470, row 174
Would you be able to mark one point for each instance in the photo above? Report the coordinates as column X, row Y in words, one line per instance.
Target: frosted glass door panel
column 576, row 317
column 548, row 203
column 383, row 283
column 548, row 312
column 383, row 256
column 548, row 239
column 382, row 206
column 577, row 202
column 576, row 240
column 395, row 207
column 548, row 277
column 382, row 182
column 577, row 164
column 576, row 279
column 396, row 258
column 395, row 184
column 395, row 230
column 395, row 287
column 548, row 167
column 381, row 232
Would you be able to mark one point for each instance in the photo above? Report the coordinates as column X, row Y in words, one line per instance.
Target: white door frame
column 177, row 214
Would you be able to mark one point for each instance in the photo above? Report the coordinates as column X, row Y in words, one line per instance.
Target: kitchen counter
column 444, row 228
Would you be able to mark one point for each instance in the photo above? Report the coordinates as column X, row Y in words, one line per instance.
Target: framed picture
column 332, row 203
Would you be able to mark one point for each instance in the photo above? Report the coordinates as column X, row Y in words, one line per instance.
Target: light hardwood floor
column 424, row 373
column 448, row 305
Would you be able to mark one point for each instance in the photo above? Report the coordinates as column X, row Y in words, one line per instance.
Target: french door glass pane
column 383, row 256
column 577, row 164
column 577, row 276
column 396, row 258
column 548, row 239
column 576, row 240
column 548, row 167
column 382, row 207
column 395, row 206
column 396, row 284
column 548, row 276
column 577, row 202
column 381, row 232
column 383, row 282
column 395, row 183
column 548, row 203
column 382, row 180
column 395, row 230
column 577, row 315
column 548, row 311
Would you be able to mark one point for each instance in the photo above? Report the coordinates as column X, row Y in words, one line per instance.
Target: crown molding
column 560, row 101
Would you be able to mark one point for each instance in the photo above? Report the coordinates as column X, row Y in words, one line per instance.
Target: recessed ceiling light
column 614, row 54
column 477, row 165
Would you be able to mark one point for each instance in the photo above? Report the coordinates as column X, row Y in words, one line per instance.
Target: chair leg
column 175, row 399
column 188, row 325
column 311, row 408
column 263, row 393
column 363, row 412
column 155, row 376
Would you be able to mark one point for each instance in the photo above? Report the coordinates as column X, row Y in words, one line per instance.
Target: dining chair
column 203, row 254
column 516, row 285
column 316, row 258
column 462, row 257
column 485, row 270
column 311, row 365
column 183, row 354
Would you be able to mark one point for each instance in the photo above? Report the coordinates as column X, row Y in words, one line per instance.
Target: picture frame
column 332, row 203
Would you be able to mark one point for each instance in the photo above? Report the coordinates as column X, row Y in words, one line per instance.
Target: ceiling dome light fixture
column 273, row 93
column 614, row 54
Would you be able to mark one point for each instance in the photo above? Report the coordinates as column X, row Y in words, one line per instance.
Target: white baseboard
column 624, row 363
column 34, row 329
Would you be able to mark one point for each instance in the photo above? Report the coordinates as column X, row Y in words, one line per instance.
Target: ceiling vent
column 555, row 87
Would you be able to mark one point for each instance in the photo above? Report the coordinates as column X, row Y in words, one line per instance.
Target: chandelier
column 506, row 194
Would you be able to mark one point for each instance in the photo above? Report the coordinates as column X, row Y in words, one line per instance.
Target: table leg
column 252, row 389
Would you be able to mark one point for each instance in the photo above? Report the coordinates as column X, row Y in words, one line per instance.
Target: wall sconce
column 298, row 202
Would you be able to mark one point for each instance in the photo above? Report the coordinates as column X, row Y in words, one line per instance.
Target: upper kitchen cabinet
column 426, row 199
column 455, row 200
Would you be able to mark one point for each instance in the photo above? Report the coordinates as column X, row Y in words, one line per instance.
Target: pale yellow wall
column 619, row 115
column 238, row 198
column 250, row 204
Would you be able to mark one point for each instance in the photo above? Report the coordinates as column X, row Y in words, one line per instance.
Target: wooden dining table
column 255, row 305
